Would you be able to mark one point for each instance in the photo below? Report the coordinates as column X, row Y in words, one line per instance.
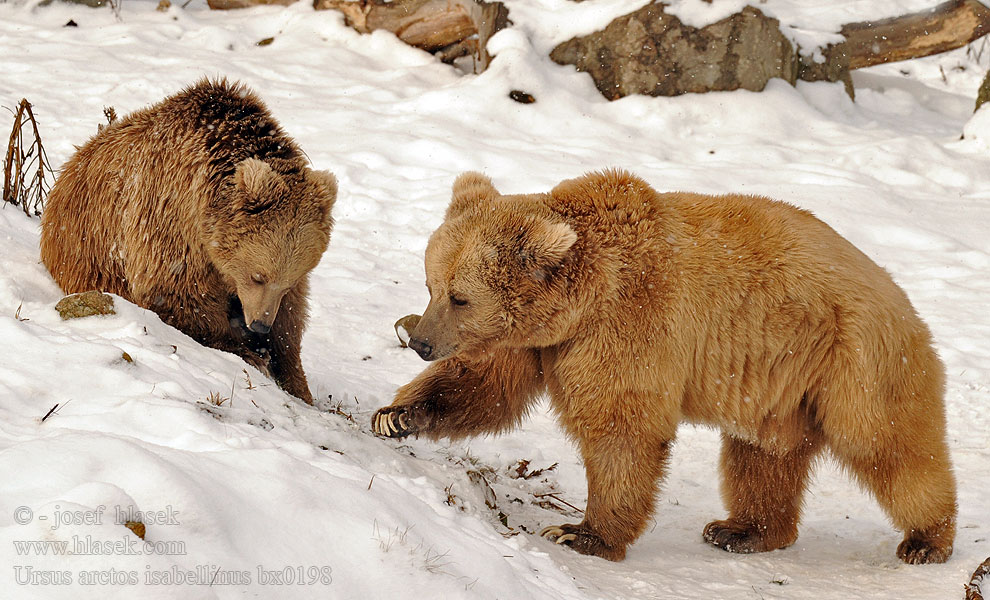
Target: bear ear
column 260, row 186
column 547, row 243
column 469, row 189
column 327, row 184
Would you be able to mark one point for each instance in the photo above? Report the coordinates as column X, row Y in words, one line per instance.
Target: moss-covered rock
column 652, row 52
column 85, row 304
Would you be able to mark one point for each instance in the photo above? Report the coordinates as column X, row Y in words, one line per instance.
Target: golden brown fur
column 201, row 209
column 637, row 310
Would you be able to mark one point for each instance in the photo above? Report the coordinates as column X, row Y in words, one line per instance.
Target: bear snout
column 260, row 327
column 422, row 348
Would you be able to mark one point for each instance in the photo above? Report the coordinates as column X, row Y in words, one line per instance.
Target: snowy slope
column 288, row 501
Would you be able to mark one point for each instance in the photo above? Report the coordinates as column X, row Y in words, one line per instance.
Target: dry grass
column 27, row 174
column 216, row 399
column 111, row 116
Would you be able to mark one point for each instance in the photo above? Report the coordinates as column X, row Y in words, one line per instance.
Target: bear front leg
column 285, row 342
column 623, row 471
column 457, row 397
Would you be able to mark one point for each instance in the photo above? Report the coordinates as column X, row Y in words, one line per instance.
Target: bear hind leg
column 763, row 491
column 915, row 486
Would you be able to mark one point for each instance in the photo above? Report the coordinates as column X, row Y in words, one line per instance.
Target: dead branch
column 981, row 577
column 26, row 168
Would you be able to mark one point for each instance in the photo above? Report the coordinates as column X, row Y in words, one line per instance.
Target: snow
column 264, row 489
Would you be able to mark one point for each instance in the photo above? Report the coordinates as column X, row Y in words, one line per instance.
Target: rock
column 85, row 304
column 522, row 97
column 651, row 52
column 137, row 527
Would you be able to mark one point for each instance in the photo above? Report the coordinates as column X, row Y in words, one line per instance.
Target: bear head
column 266, row 231
column 492, row 270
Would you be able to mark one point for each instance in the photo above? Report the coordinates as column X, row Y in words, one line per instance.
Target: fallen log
column 427, row 24
column 448, row 28
column 948, row 26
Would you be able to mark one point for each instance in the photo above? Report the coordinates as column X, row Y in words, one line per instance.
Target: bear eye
column 458, row 300
column 258, row 278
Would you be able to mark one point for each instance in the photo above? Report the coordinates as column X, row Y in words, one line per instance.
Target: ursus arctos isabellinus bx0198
column 637, row 311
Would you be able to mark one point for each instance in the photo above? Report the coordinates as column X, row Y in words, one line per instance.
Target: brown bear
column 637, row 310
column 203, row 210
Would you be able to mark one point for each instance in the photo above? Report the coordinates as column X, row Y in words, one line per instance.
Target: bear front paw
column 582, row 539
column 397, row 421
column 258, row 360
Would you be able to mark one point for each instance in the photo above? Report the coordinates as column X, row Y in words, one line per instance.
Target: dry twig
column 554, row 496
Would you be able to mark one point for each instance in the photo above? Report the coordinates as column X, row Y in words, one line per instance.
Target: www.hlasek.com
column 210, row 575
column 126, row 545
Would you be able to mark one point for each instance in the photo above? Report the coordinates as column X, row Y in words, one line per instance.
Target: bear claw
column 393, row 423
column 551, row 532
column 557, row 535
column 582, row 539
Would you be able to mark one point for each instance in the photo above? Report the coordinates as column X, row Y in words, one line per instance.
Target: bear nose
column 259, row 327
column 423, row 349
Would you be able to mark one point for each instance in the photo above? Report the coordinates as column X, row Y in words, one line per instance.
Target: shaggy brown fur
column 637, row 310
column 201, row 209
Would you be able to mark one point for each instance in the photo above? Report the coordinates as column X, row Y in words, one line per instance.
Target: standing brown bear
column 201, row 209
column 637, row 310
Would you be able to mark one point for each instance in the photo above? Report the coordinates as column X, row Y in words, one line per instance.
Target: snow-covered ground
column 264, row 497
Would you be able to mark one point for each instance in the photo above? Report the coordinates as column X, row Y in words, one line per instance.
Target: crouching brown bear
column 637, row 310
column 203, row 210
